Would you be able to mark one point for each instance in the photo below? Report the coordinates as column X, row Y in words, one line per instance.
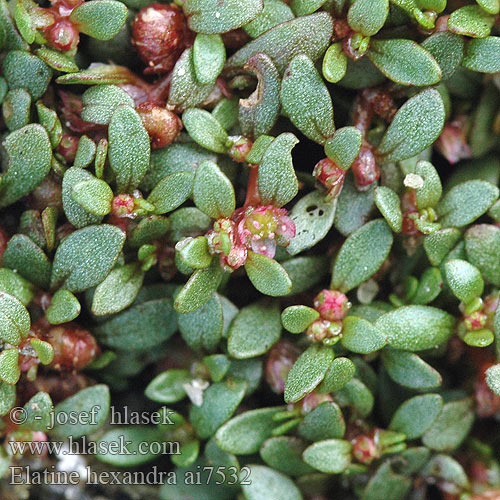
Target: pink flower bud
column 365, row 169
column 63, row 35
column 330, row 176
column 313, row 400
column 364, row 449
column 162, row 125
column 240, row 149
column 332, row 305
column 452, row 143
column 322, row 330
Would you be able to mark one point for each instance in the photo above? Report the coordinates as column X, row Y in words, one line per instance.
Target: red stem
column 253, row 197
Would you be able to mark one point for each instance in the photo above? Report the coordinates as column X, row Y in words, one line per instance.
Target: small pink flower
column 330, row 176
column 332, row 305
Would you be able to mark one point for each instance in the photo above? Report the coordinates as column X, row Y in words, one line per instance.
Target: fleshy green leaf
column 171, row 192
column 480, row 55
column 209, row 55
column 101, row 19
column 167, row 387
column 331, row 456
column 205, row 16
column 361, row 255
column 86, row 257
column 213, row 192
column 93, row 195
column 482, row 245
column 368, row 16
column 9, row 366
column 466, row 202
column 344, row 146
column 464, row 279
column 404, row 61
column 267, row 275
column 472, row 21
column 254, row 330
column 307, row 372
column 64, row 307
column 416, row 415
column 205, row 130
column 359, row 335
column 14, row 319
column 416, row 126
column 267, row 483
column 100, row 102
column 306, row 100
column 296, row 319
column 128, row 148
column 277, row 181
column 416, row 328
column 334, row 63
column 388, row 203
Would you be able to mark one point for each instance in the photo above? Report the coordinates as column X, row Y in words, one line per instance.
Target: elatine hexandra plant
column 308, row 303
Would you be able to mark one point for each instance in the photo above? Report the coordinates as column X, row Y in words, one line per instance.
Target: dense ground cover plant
column 275, row 222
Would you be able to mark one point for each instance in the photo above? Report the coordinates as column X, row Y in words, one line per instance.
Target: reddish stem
column 253, row 196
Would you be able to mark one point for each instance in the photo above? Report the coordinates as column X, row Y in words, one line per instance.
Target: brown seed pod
column 162, row 125
column 160, row 34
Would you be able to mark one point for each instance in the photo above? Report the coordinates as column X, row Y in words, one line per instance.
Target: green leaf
column 85, row 152
column 404, row 61
column 472, row 21
column 306, row 100
column 368, row 16
column 430, row 193
column 338, row 374
column 245, row 433
column 267, row 483
column 202, row 329
column 140, row 327
column 28, row 153
column 213, row 192
column 267, row 275
column 44, row 350
column 118, row 290
column 254, row 330
column 284, row 454
column 416, row 415
column 447, row 49
column 464, row 280
column 56, row 60
column 305, row 7
column 466, row 202
column 220, row 401
column 128, row 148
column 305, row 272
column 258, row 113
column 331, row 456
column 217, row 365
column 15, row 320
column 324, row 422
column 307, row 372
column 100, row 102
column 185, row 89
column 7, row 398
column 93, row 195
column 95, row 400
column 490, row 6
column 171, row 192
column 389, row 204
column 480, row 55
column 209, row 55
column 451, row 427
column 14, row 284
column 38, row 412
column 482, row 245
column 25, row 257
column 50, row 121
column 277, row 181
column 205, row 130
column 76, row 214
column 438, row 244
column 167, row 387
column 416, row 126
column 359, row 335
column 493, row 378
column 9, row 363
column 361, row 255
column 296, row 319
column 429, row 286
column 409, row 370
column 386, row 484
column 356, row 395
column 205, row 16
column 16, row 108
column 86, row 257
column 274, row 13
column 139, row 438
column 23, row 70
column 308, row 35
column 64, row 307
column 334, row 65
column 194, row 252
column 101, row 19
column 416, row 328
column 199, row 288
column 344, row 146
